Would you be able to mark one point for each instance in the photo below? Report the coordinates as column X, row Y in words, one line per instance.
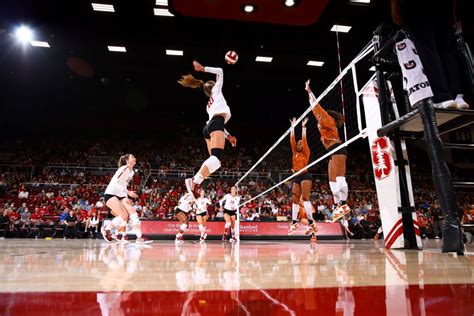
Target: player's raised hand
column 307, row 87
column 293, row 122
column 197, row 66
column 303, row 124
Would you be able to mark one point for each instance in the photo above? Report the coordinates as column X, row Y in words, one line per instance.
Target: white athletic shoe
column 293, row 227
column 116, row 237
column 461, row 104
column 190, row 186
column 312, row 229
column 106, row 234
column 124, row 239
column 143, row 240
column 340, row 212
column 203, row 237
column 179, row 239
column 450, row 105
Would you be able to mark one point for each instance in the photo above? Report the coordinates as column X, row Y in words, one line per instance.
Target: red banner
column 246, row 228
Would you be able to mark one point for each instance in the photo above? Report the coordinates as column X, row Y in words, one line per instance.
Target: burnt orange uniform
column 326, row 124
column 300, row 158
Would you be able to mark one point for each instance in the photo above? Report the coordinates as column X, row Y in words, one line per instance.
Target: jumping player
column 201, row 213
column 229, row 203
column 185, row 205
column 328, row 123
column 214, row 132
column 301, row 183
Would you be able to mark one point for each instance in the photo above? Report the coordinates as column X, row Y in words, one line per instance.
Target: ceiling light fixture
column 264, row 59
column 315, row 63
column 103, row 7
column 289, row 3
column 360, row 1
column 120, row 49
column 162, row 2
column 173, row 52
column 249, row 8
column 39, row 44
column 24, row 34
column 341, row 28
column 162, row 12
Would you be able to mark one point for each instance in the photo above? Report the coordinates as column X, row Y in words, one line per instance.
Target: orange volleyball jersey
column 326, row 124
column 300, row 158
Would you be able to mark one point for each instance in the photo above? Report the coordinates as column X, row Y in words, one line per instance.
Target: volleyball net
column 343, row 95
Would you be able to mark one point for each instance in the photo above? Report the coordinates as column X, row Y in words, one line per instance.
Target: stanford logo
column 381, row 158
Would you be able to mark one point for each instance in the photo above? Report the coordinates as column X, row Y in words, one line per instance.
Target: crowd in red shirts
column 54, row 189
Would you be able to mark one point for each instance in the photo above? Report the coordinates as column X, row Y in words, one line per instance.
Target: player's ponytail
column 338, row 117
column 123, row 160
column 189, row 81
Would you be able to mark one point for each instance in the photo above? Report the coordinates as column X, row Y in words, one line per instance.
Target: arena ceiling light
column 360, row 1
column 249, row 8
column 162, row 2
column 173, row 52
column 24, row 34
column 103, row 7
column 289, row 3
column 120, row 49
column 341, row 28
column 315, row 63
column 162, row 12
column 40, row 44
column 264, row 59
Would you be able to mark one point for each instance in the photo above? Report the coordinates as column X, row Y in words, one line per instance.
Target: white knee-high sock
column 335, row 192
column 295, row 209
column 309, row 210
column 198, row 178
column 343, row 188
column 116, row 222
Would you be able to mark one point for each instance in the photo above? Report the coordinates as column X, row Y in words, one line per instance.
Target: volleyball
column 231, row 57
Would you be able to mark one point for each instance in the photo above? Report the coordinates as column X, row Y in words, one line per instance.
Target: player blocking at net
column 328, row 124
column 302, row 183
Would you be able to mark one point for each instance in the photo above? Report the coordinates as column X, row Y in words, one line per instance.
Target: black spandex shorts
column 215, row 124
column 109, row 196
column 302, row 177
column 231, row 213
column 342, row 151
column 202, row 214
column 178, row 210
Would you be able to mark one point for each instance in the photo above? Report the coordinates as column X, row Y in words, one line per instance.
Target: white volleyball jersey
column 119, row 183
column 185, row 203
column 231, row 203
column 201, row 205
column 217, row 103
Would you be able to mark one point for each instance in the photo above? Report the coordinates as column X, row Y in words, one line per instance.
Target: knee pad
column 227, row 225
column 217, row 152
column 212, row 163
column 183, row 227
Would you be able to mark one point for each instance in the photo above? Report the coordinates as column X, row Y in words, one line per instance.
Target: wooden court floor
column 91, row 277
